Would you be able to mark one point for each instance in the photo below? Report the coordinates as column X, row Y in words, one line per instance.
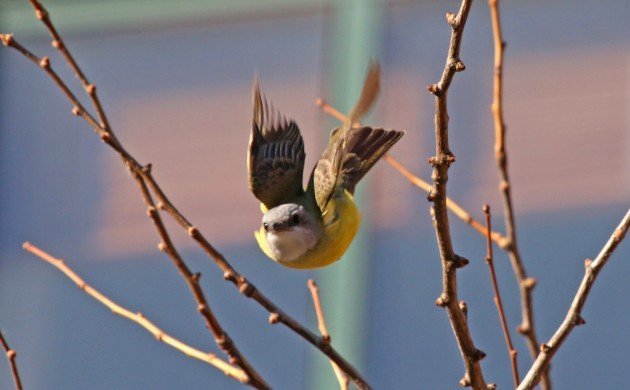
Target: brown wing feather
column 324, row 176
column 327, row 173
column 365, row 146
column 275, row 158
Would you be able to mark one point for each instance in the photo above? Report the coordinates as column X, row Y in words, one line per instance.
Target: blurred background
column 175, row 79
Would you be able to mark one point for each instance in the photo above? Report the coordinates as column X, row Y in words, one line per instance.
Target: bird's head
column 291, row 230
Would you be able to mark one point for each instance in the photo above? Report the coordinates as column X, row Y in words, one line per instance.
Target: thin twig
column 57, row 42
column 230, row 274
column 11, row 355
column 574, row 315
column 321, row 324
column 441, row 161
column 497, row 300
column 221, row 337
column 525, row 283
column 418, row 182
column 138, row 172
column 138, row 317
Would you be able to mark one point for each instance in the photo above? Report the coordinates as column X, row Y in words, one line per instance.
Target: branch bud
column 151, row 211
column 229, row 275
column 442, row 300
column 193, row 231
column 450, row 18
column 105, row 137
column 465, row 381
column 7, row 39
column 460, row 262
column 579, row 320
column 274, row 318
column 246, row 289
column 530, row 283
column 463, row 307
column 44, row 63
column 478, row 355
column 41, row 13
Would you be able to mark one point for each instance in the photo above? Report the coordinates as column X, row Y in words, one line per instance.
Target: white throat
column 288, row 245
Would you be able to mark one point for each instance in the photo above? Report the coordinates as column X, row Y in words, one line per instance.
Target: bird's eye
column 295, row 219
column 265, row 226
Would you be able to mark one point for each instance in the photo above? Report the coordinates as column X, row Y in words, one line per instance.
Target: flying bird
column 312, row 227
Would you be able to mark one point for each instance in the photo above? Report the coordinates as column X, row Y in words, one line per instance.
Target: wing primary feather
column 275, row 154
column 369, row 92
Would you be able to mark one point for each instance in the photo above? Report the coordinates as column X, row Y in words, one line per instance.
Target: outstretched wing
column 327, row 172
column 275, row 157
column 364, row 147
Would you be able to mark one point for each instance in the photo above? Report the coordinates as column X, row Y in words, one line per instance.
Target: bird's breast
column 342, row 220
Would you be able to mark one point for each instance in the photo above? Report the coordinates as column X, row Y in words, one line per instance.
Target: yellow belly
column 338, row 234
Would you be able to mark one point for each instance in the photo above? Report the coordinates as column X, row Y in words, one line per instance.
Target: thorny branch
column 321, row 324
column 418, row 182
column 526, row 284
column 441, row 161
column 143, row 176
column 574, row 315
column 11, row 357
column 498, row 301
column 137, row 317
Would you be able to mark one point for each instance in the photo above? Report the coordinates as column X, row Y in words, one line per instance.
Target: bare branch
column 138, row 317
column 441, row 161
column 142, row 173
column 417, row 181
column 57, row 42
column 525, row 283
column 11, row 355
column 44, row 63
column 497, row 300
column 574, row 315
column 321, row 324
column 105, row 133
column 221, row 337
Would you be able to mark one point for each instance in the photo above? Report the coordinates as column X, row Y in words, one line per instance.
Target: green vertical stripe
column 355, row 39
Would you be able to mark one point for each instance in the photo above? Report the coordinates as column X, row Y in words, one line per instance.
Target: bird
column 312, row 227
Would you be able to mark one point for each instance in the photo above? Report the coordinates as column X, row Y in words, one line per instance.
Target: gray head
column 291, row 230
column 284, row 217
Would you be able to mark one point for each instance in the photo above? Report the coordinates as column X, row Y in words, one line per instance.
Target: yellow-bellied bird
column 311, row 228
